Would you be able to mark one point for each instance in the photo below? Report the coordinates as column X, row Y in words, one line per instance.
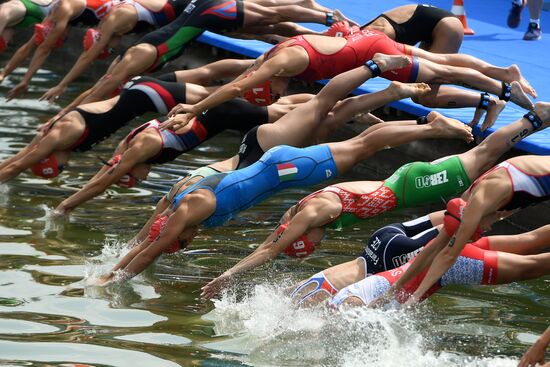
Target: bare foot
column 338, row 16
column 450, row 128
column 388, row 62
column 542, row 109
column 406, row 90
column 493, row 111
column 515, row 75
column 519, row 97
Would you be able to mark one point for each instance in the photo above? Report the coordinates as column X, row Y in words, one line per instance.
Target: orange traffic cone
column 458, row 10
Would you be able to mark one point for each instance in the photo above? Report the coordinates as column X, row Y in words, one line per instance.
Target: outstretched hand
column 53, row 94
column 17, row 91
column 534, row 355
column 177, row 123
column 180, row 108
column 215, row 286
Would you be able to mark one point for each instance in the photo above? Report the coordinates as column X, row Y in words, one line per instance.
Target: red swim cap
column 128, row 180
column 302, row 247
column 453, row 218
column 41, row 31
column 92, row 36
column 341, row 29
column 47, row 167
column 3, row 44
column 260, row 95
column 154, row 233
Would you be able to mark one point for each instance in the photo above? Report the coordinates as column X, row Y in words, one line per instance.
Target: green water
column 49, row 317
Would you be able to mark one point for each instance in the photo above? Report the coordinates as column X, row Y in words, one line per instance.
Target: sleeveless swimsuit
column 94, row 11
column 236, row 114
column 389, row 247
column 279, row 168
column 34, row 13
column 474, row 266
column 528, row 189
column 197, row 17
column 359, row 48
column 140, row 95
column 419, row 27
column 150, row 18
column 395, row 244
column 414, row 184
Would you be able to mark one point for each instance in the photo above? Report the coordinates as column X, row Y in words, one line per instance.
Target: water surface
column 49, row 317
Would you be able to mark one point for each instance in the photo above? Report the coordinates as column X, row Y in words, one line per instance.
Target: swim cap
column 302, row 247
column 92, row 36
column 128, row 180
column 41, row 31
column 453, row 218
column 260, row 95
column 341, row 29
column 47, row 167
column 3, row 44
column 154, row 233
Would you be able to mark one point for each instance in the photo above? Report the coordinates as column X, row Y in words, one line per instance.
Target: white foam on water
column 269, row 330
column 110, row 254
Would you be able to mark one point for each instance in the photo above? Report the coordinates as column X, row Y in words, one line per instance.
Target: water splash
column 111, row 252
column 268, row 330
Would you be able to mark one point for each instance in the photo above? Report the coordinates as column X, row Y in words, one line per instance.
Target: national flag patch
column 286, row 171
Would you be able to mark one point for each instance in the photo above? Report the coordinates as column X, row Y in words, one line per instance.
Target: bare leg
column 513, row 268
column 207, row 74
column 432, row 72
column 286, row 29
column 524, row 243
column 535, row 8
column 255, row 14
column 479, row 159
column 348, row 153
column 310, row 4
column 308, row 116
column 350, row 107
column 509, row 74
column 447, row 36
column 135, row 61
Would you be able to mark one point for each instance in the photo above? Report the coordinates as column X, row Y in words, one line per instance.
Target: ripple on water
column 156, row 338
column 78, row 353
column 12, row 326
column 48, row 299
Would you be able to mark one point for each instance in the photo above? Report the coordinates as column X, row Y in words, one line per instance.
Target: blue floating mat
column 492, row 42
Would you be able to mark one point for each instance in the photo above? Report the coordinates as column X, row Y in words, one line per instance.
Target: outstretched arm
column 18, row 57
column 107, row 84
column 481, row 203
column 60, row 19
column 421, row 261
column 535, row 354
column 265, row 71
column 138, row 153
column 188, row 214
column 107, row 29
column 269, row 250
